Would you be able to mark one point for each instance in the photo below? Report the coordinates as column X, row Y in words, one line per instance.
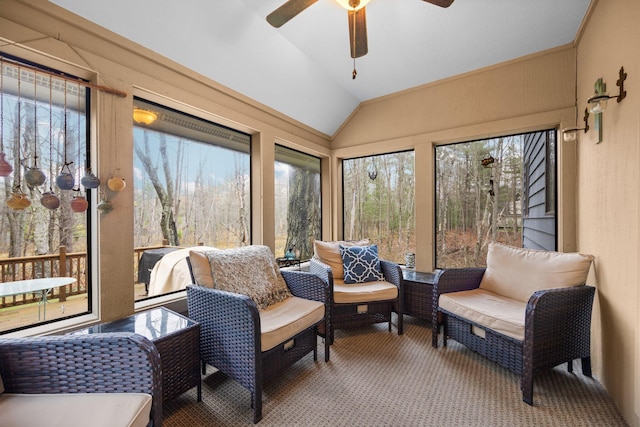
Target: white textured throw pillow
column 251, row 271
column 517, row 272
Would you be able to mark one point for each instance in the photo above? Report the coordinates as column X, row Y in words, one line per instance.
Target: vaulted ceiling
column 304, row 68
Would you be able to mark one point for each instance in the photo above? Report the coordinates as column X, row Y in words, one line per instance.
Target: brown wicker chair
column 231, row 335
column 101, row 363
column 557, row 328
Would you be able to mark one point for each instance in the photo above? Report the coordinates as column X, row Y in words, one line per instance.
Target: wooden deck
column 25, row 315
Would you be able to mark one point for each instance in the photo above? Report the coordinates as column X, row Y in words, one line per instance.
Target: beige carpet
column 376, row 378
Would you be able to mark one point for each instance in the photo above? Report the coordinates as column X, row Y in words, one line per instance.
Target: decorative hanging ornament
column 5, row 167
column 50, row 201
column 79, row 202
column 116, row 183
column 65, row 181
column 89, row 180
column 18, row 200
column 34, row 176
column 104, row 206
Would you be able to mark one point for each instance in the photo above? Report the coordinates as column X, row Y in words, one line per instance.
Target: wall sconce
column 571, row 134
column 144, row 116
column 598, row 102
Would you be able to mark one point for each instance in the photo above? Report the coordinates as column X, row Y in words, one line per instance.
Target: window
column 378, row 201
column 43, row 156
column 493, row 190
column 297, row 202
column 192, row 187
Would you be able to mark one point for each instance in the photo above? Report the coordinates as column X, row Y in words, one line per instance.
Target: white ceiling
column 303, row 69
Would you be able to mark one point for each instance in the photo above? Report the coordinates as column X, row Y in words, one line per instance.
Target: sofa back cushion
column 248, row 270
column 517, row 273
column 329, row 253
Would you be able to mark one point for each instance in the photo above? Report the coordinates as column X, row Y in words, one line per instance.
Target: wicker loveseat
column 244, row 336
column 528, row 310
column 358, row 303
column 98, row 380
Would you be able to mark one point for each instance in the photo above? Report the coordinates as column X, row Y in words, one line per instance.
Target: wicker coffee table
column 177, row 339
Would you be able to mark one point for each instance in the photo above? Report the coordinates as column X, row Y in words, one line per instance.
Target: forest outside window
column 495, row 189
column 44, row 217
column 298, row 209
column 378, row 199
column 191, row 188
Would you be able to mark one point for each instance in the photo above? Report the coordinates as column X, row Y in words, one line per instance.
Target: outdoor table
column 42, row 286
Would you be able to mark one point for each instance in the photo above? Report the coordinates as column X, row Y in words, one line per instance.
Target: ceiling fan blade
column 359, row 42
column 441, row 3
column 290, row 9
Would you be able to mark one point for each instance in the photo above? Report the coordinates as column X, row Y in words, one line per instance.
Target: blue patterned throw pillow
column 361, row 264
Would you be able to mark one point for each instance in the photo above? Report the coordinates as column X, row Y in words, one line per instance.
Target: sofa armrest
column 452, row 280
column 558, row 315
column 306, row 285
column 229, row 331
column 96, row 363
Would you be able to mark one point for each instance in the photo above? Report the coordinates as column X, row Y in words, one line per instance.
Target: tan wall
column 608, row 197
column 531, row 93
column 42, row 32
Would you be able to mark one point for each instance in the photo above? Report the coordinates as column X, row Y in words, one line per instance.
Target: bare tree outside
column 378, row 198
column 478, row 198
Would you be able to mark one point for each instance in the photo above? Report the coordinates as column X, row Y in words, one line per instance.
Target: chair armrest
column 558, row 315
column 96, row 363
column 392, row 273
column 306, row 285
column 321, row 270
column 229, row 330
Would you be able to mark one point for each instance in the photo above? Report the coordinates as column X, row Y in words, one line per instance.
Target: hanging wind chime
column 34, row 177
column 18, row 199
column 65, row 180
column 5, row 166
column 49, row 200
column 79, row 202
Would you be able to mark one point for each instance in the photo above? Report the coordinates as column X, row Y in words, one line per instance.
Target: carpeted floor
column 377, row 378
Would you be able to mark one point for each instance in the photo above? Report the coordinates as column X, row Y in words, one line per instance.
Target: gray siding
column 539, row 221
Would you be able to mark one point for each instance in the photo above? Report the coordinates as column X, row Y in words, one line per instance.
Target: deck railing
column 61, row 264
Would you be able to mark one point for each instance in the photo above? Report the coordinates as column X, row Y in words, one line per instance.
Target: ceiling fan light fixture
column 144, row 116
column 349, row 4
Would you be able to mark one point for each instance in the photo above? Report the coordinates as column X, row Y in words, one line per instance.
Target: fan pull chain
column 354, row 73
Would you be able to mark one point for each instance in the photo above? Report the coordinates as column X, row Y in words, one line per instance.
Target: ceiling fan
column 357, row 20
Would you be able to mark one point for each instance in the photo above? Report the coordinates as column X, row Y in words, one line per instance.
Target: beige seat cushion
column 517, row 272
column 329, row 253
column 363, row 292
column 493, row 311
column 281, row 321
column 75, row 410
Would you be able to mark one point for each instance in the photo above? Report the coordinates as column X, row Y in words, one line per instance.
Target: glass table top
column 152, row 324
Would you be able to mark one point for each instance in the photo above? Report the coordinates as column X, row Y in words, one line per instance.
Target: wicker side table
column 177, row 339
column 418, row 293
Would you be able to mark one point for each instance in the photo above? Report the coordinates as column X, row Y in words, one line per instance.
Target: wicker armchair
column 364, row 311
column 557, row 327
column 231, row 336
column 79, row 364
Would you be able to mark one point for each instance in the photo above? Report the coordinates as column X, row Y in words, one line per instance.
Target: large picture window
column 297, row 202
column 192, row 186
column 378, row 200
column 44, row 250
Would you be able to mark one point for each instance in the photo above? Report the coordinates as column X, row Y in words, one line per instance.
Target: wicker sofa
column 358, row 304
column 528, row 310
column 84, row 380
column 250, row 341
